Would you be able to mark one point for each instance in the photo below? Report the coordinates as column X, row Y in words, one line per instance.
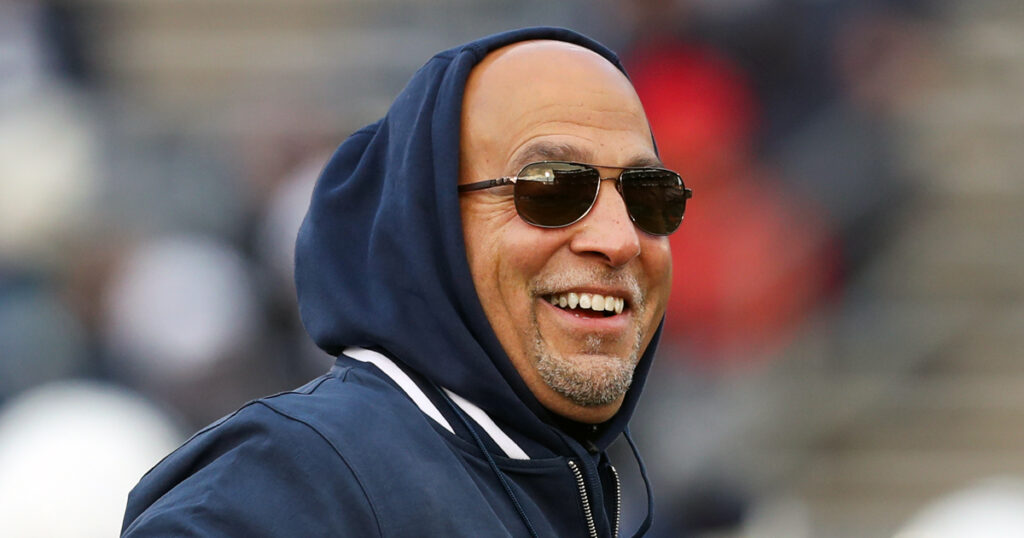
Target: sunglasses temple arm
column 490, row 183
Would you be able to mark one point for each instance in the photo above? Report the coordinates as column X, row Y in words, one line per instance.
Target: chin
column 586, row 380
column 587, row 414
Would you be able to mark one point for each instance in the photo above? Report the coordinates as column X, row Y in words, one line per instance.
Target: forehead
column 552, row 95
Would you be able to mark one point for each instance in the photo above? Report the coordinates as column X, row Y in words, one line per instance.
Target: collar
column 389, row 368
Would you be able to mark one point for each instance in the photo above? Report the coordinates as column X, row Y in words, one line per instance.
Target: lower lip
column 616, row 323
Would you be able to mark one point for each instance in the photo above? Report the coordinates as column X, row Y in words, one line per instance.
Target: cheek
column 530, row 251
column 656, row 258
column 484, row 262
column 500, row 262
column 501, row 276
column 517, row 258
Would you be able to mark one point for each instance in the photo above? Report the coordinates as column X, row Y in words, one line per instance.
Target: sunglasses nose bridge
column 618, row 188
column 618, row 184
column 619, row 200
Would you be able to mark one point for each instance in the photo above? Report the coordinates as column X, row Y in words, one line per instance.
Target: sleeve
column 257, row 473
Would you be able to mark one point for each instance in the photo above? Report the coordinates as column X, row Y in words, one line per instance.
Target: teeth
column 588, row 301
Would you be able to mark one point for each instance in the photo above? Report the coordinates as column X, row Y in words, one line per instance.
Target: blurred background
column 840, row 356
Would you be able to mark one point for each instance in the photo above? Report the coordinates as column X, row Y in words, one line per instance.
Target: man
column 493, row 313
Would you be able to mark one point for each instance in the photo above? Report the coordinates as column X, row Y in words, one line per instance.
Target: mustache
column 576, row 278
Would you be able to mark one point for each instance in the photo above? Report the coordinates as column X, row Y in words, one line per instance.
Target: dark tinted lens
column 555, row 194
column 656, row 199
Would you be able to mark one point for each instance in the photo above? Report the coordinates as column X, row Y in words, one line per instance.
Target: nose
column 607, row 231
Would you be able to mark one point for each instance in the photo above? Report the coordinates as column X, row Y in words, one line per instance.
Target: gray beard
column 590, row 380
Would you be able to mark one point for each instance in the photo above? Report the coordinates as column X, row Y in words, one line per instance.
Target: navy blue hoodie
column 423, row 427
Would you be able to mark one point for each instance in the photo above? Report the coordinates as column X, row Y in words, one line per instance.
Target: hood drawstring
column 647, row 485
column 490, row 461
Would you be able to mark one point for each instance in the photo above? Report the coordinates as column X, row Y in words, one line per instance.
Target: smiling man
column 490, row 265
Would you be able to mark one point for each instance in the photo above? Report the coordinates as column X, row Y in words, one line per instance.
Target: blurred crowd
column 145, row 272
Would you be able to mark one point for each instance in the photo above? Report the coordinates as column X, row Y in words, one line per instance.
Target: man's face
column 547, row 100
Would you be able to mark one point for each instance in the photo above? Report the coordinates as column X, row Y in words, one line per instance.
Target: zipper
column 618, row 501
column 587, row 513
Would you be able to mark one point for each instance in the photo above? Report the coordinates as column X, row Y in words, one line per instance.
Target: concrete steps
column 956, row 415
column 203, row 63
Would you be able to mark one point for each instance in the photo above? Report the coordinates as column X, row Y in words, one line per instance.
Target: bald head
column 544, row 91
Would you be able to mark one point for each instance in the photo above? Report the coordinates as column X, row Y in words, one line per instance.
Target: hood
column 380, row 261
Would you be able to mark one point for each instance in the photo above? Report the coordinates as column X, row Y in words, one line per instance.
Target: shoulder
column 356, row 411
column 274, row 467
column 371, row 425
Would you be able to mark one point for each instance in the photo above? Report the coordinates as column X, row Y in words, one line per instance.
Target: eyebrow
column 550, row 151
column 547, row 151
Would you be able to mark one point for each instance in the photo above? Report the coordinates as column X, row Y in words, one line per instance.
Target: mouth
column 591, row 305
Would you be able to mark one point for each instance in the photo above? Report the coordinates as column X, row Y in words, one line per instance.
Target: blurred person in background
column 181, row 323
column 781, row 115
column 992, row 507
column 783, row 112
column 750, row 267
column 492, row 335
column 46, row 201
column 758, row 256
column 69, row 450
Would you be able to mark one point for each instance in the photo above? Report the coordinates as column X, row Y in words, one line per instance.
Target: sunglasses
column 555, row 194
